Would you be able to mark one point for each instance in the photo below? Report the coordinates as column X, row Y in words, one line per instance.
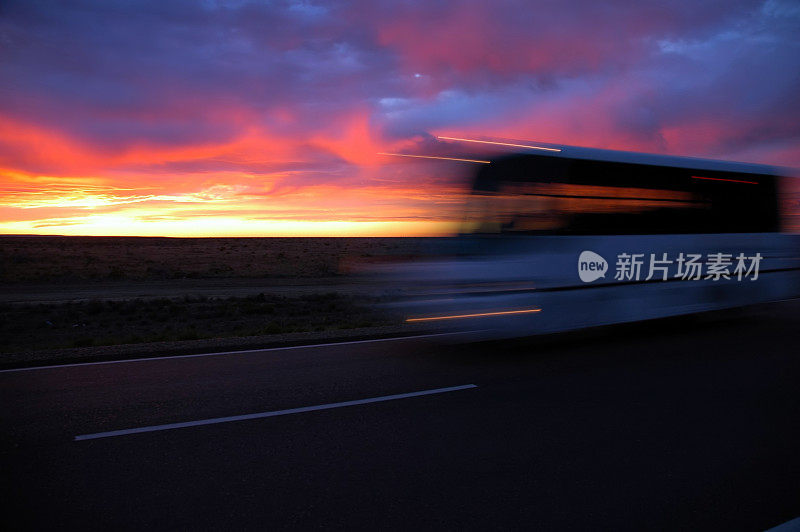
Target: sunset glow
column 359, row 118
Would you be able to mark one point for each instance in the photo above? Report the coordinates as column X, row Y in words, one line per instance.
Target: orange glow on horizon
column 112, row 225
column 254, row 182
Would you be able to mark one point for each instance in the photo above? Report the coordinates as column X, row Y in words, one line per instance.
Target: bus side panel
column 546, row 271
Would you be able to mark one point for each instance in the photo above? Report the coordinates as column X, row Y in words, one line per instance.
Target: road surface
column 681, row 424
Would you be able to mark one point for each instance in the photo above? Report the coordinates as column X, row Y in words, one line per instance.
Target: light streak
column 432, row 157
column 729, row 180
column 500, row 143
column 479, row 315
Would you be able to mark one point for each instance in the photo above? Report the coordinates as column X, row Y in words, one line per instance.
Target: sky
column 268, row 118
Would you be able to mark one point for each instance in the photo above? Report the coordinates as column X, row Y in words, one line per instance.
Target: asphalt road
column 682, row 424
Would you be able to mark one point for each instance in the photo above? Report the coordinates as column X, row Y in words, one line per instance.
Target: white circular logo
column 591, row 266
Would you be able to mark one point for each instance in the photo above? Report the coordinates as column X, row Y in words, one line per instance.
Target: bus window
column 540, row 195
column 559, row 208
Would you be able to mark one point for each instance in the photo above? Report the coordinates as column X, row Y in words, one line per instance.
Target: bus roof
column 651, row 159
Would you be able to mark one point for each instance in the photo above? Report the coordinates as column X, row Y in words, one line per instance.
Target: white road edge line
column 212, row 421
column 220, row 353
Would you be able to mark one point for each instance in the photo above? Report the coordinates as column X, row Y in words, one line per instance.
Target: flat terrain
column 678, row 425
column 74, row 292
column 55, row 259
column 97, row 322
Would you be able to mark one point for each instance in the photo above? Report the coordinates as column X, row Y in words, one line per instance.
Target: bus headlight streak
column 500, row 143
column 477, row 315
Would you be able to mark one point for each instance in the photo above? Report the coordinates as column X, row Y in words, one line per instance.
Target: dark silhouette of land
column 74, row 292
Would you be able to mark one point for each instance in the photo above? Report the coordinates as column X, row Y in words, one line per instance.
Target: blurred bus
column 582, row 237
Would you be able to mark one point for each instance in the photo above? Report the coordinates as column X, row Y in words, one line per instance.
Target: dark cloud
column 119, row 75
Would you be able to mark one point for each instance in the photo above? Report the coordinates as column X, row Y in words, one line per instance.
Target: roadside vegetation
column 97, row 322
column 87, row 292
column 40, row 259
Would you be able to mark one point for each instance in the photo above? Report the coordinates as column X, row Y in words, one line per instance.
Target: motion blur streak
column 500, row 143
column 479, row 315
column 531, row 217
column 432, row 157
column 729, row 180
